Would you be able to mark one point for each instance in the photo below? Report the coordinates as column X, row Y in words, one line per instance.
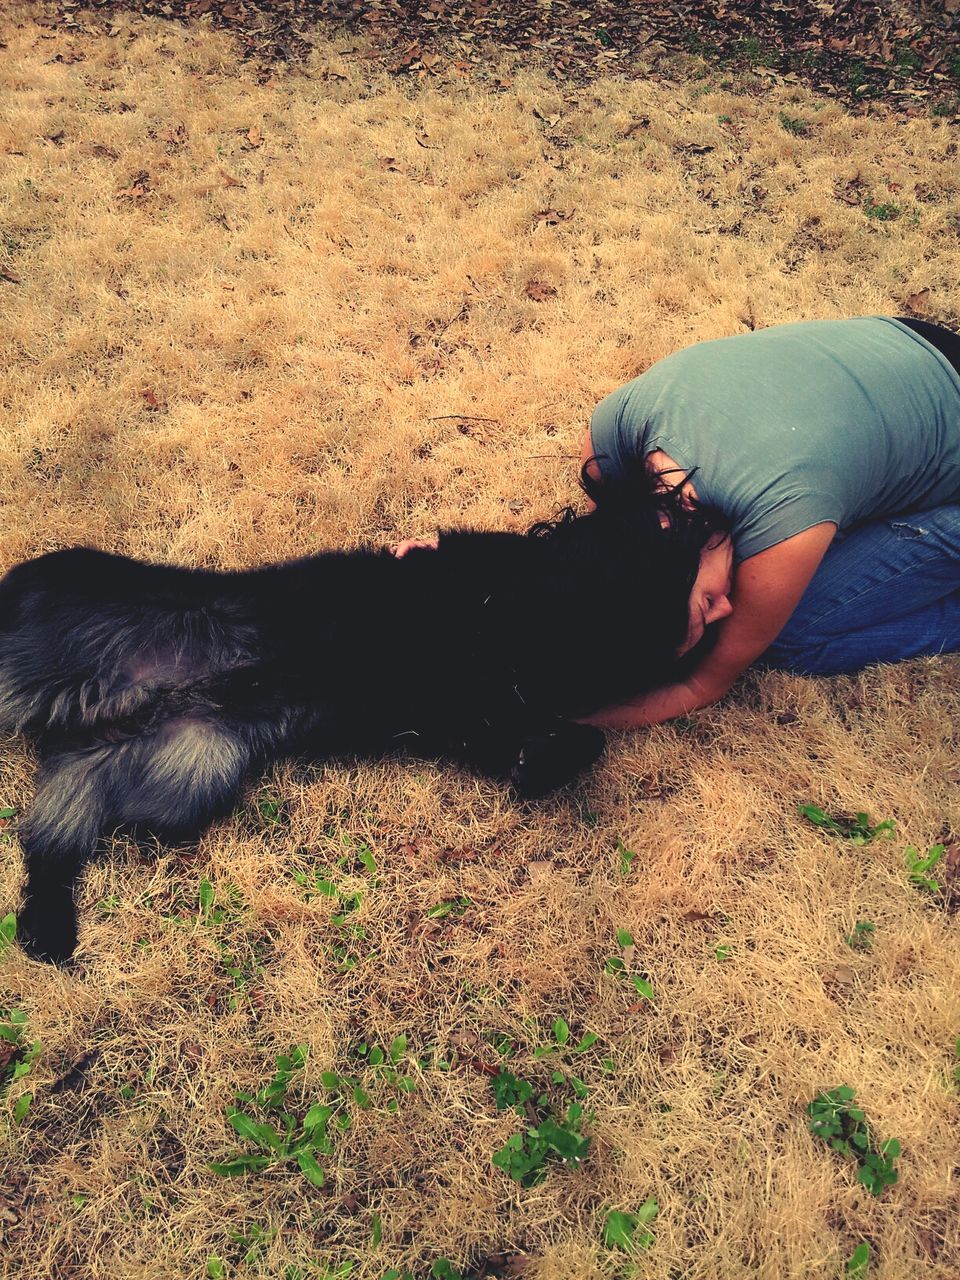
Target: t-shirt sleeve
column 764, row 527
column 613, row 445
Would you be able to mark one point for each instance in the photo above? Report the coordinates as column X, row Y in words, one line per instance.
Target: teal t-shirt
column 786, row 427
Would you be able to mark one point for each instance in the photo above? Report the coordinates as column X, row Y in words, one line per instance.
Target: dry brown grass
column 259, row 349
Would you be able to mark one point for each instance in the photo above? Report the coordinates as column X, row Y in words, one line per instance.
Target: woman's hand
column 415, row 544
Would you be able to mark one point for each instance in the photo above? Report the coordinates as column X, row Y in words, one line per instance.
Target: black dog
column 151, row 691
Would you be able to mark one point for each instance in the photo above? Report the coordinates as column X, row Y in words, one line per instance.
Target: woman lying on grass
column 818, row 492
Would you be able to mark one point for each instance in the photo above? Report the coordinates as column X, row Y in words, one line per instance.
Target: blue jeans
column 884, row 591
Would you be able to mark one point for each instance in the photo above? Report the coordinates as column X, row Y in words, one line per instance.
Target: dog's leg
column 58, row 835
column 172, row 781
column 536, row 755
column 551, row 756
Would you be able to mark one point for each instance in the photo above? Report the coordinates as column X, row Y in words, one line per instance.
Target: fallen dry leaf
column 551, row 217
column 466, row 1041
column 466, row 854
column 840, row 977
column 636, row 126
column 851, row 191
column 917, row 302
column 174, row 136
column 139, row 186
column 98, row 149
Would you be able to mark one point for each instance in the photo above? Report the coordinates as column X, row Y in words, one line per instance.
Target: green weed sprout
column 549, row 1135
column 862, row 936
column 918, row 864
column 844, row 1128
column 856, row 829
column 18, row 1060
column 620, row 1230
column 616, row 966
column 272, row 1145
column 858, row 1263
column 8, row 931
column 626, row 856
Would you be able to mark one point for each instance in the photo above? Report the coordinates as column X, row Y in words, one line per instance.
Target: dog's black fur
column 151, row 691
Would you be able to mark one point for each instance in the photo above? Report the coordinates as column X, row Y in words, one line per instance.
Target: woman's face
column 710, row 597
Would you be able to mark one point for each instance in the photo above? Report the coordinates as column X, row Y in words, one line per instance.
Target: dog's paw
column 47, row 930
column 555, row 757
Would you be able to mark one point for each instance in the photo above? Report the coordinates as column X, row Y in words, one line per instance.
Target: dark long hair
column 635, row 558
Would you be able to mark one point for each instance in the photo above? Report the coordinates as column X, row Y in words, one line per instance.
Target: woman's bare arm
column 586, row 460
column 766, row 591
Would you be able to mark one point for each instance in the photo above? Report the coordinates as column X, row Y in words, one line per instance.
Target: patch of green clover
column 442, row 1269
column 216, row 1268
column 882, row 212
column 832, row 1117
column 918, row 864
column 856, row 829
column 356, row 854
column 551, row 1133
column 617, row 966
column 271, row 807
column 384, row 1066
column 561, row 1050
column 253, row 1241
column 20, row 1058
column 794, row 124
